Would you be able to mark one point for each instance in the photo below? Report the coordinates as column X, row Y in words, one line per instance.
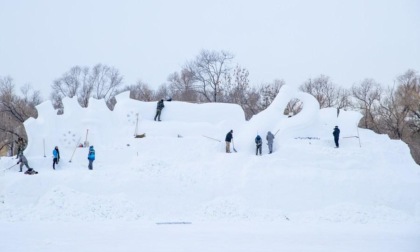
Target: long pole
column 43, row 141
column 233, row 146
column 137, row 123
column 10, row 167
column 86, row 143
column 358, row 136
column 212, row 138
column 77, row 145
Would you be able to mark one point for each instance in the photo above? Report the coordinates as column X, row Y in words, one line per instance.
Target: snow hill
column 180, row 173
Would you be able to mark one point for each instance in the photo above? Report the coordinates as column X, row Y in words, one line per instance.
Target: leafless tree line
column 14, row 110
column 213, row 77
column 100, row 82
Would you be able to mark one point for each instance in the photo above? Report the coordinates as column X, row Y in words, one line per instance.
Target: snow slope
column 307, row 195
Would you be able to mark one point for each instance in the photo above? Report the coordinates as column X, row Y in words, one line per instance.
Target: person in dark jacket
column 228, row 139
column 270, row 138
column 56, row 154
column 159, row 108
column 336, row 134
column 258, row 142
column 23, row 161
column 21, row 146
column 91, row 157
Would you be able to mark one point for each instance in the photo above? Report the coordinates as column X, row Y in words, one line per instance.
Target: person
column 336, row 134
column 258, row 142
column 91, row 157
column 21, row 146
column 23, row 161
column 228, row 139
column 56, row 154
column 270, row 138
column 159, row 108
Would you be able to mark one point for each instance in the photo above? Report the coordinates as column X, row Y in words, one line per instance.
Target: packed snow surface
column 177, row 190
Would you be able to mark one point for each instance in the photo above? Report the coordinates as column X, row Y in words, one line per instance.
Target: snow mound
column 180, row 171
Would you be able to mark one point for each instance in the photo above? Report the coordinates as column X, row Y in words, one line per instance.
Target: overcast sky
column 148, row 40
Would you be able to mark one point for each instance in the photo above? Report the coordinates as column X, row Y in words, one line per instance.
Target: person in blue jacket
column 91, row 157
column 56, row 154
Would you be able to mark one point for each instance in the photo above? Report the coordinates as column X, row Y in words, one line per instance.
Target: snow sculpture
column 99, row 126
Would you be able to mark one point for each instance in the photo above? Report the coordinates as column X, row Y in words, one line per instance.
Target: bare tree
column 344, row 99
column 408, row 96
column 268, row 92
column 392, row 116
column 366, row 94
column 162, row 92
column 181, row 86
column 14, row 110
column 209, row 69
column 101, row 82
column 293, row 107
column 323, row 90
column 237, row 90
column 105, row 81
column 140, row 91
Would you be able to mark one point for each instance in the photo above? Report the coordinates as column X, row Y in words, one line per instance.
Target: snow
column 306, row 196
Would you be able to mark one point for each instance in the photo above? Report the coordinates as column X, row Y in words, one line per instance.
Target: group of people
column 23, row 161
column 258, row 142
column 270, row 138
column 160, row 105
column 258, row 139
column 91, row 157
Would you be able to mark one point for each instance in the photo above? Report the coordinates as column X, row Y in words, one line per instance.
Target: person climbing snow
column 23, row 161
column 91, row 157
column 258, row 142
column 56, row 154
column 336, row 134
column 270, row 138
column 159, row 108
column 228, row 140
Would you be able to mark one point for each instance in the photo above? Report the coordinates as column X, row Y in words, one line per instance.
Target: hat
column 336, row 126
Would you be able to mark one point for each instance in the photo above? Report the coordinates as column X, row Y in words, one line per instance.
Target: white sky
column 148, row 40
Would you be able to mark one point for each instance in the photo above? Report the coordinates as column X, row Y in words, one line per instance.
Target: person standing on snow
column 56, row 154
column 270, row 138
column 336, row 134
column 91, row 157
column 228, row 139
column 258, row 142
column 159, row 108
column 23, row 161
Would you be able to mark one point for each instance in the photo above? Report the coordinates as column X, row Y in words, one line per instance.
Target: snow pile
column 180, row 170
